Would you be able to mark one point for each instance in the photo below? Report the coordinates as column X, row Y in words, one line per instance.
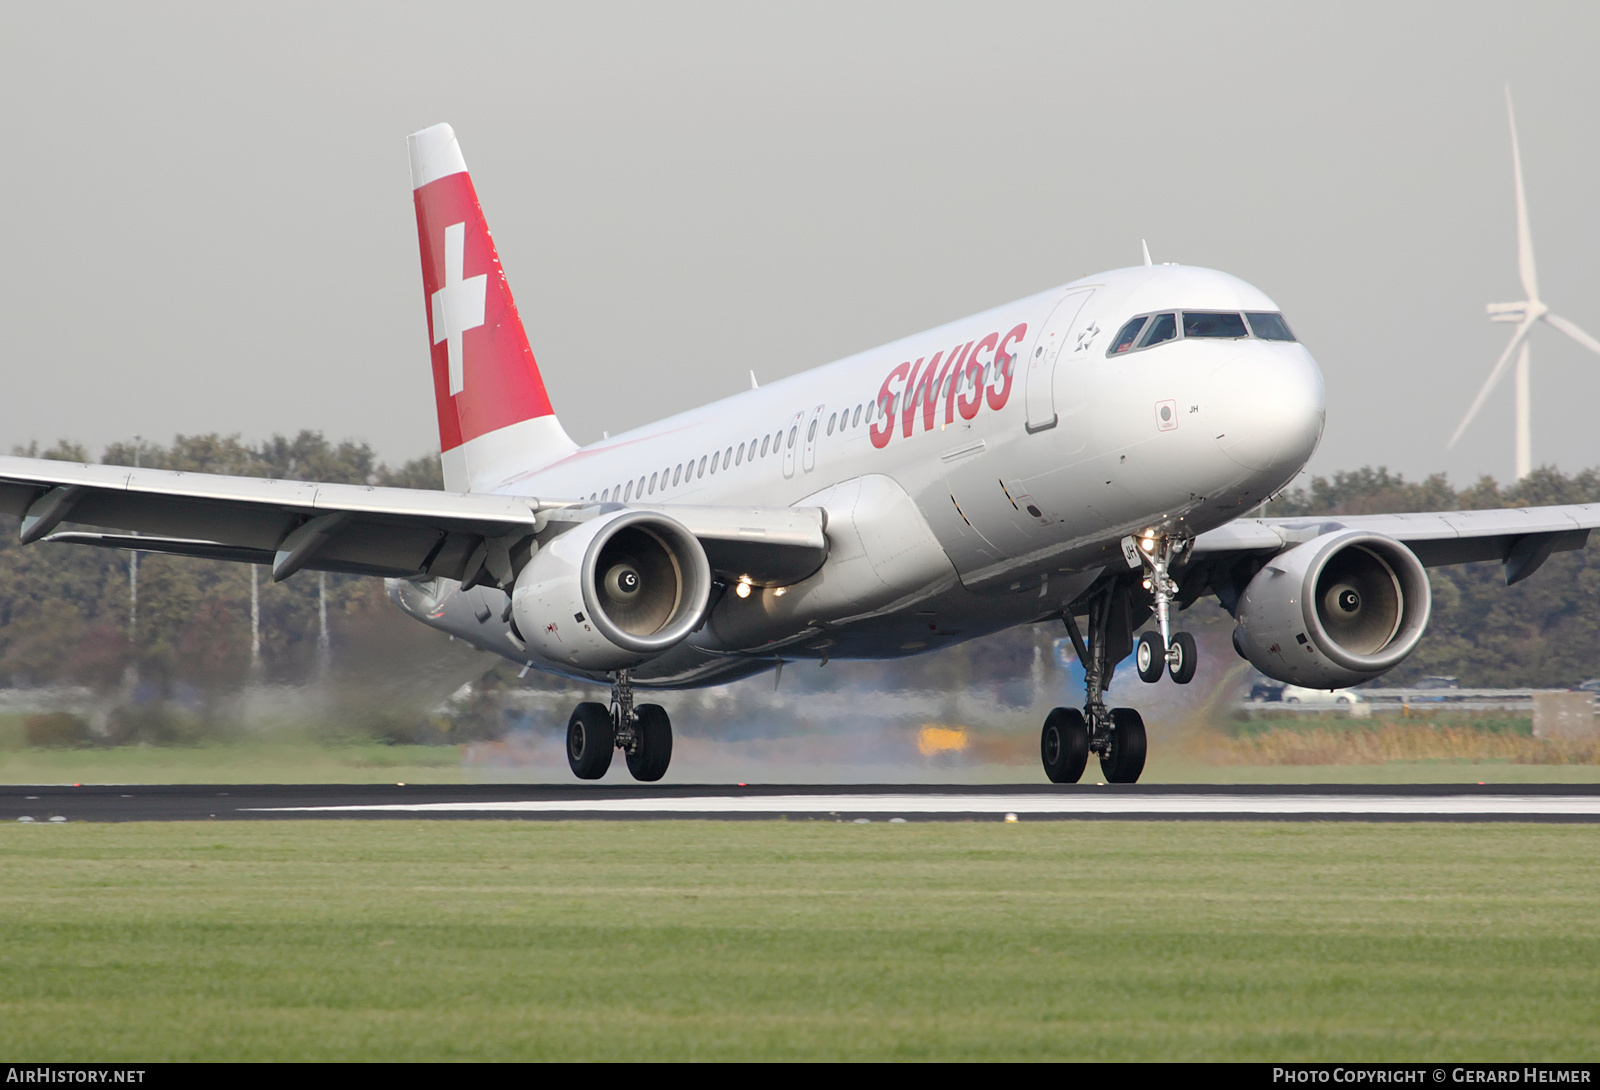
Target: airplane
column 1088, row 456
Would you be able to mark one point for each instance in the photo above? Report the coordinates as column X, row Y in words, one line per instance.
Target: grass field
column 263, row 761
column 1443, row 736
column 779, row 940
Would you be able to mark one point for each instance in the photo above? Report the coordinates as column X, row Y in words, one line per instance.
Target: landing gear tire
column 590, row 740
column 1064, row 745
column 653, row 749
column 1150, row 656
column 1123, row 758
column 1184, row 656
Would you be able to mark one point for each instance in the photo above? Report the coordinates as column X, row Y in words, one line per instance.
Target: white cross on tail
column 458, row 306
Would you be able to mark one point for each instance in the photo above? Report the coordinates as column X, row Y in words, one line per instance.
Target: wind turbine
column 1525, row 313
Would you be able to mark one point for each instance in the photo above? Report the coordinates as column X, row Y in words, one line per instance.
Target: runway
column 1431, row 802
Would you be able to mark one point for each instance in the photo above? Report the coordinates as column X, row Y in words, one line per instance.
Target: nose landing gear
column 643, row 733
column 1171, row 651
column 1178, row 659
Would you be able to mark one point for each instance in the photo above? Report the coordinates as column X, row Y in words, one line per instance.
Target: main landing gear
column 1116, row 734
column 643, row 733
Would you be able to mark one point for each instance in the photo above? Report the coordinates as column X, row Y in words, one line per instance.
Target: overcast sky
column 209, row 226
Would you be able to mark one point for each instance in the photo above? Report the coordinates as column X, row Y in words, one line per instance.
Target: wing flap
column 206, row 550
column 345, row 562
column 259, row 526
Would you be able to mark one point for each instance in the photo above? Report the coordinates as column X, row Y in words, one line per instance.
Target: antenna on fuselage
column 1145, row 246
column 754, row 385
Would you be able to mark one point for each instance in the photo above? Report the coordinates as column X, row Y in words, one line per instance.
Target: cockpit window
column 1163, row 327
column 1269, row 327
column 1149, row 330
column 1125, row 339
column 1199, row 323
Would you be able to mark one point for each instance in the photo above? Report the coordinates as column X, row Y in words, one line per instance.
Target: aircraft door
column 1047, row 348
column 791, row 436
column 810, row 458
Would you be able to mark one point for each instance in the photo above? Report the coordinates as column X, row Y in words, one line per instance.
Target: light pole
column 255, row 621
column 323, row 647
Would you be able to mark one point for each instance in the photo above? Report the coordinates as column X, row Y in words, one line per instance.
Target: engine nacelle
column 1336, row 611
column 612, row 592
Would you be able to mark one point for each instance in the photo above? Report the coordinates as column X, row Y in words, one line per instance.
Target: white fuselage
column 992, row 498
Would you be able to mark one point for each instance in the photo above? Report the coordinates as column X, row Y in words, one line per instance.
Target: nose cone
column 1273, row 408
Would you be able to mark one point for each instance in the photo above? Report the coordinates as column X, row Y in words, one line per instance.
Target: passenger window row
column 1149, row 330
column 694, row 470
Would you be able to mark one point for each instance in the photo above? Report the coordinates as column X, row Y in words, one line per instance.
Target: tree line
column 66, row 612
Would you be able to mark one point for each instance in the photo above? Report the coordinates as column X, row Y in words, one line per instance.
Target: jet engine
column 1336, row 611
column 612, row 592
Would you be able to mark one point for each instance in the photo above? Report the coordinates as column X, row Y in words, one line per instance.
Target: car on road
column 1264, row 690
column 1295, row 694
column 1436, row 682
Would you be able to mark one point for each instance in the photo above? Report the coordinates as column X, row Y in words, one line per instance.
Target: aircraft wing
column 1521, row 538
column 357, row 529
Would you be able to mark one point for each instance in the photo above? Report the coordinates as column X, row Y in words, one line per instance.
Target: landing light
column 743, row 587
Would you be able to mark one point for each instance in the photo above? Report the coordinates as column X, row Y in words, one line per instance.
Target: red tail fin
column 495, row 419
